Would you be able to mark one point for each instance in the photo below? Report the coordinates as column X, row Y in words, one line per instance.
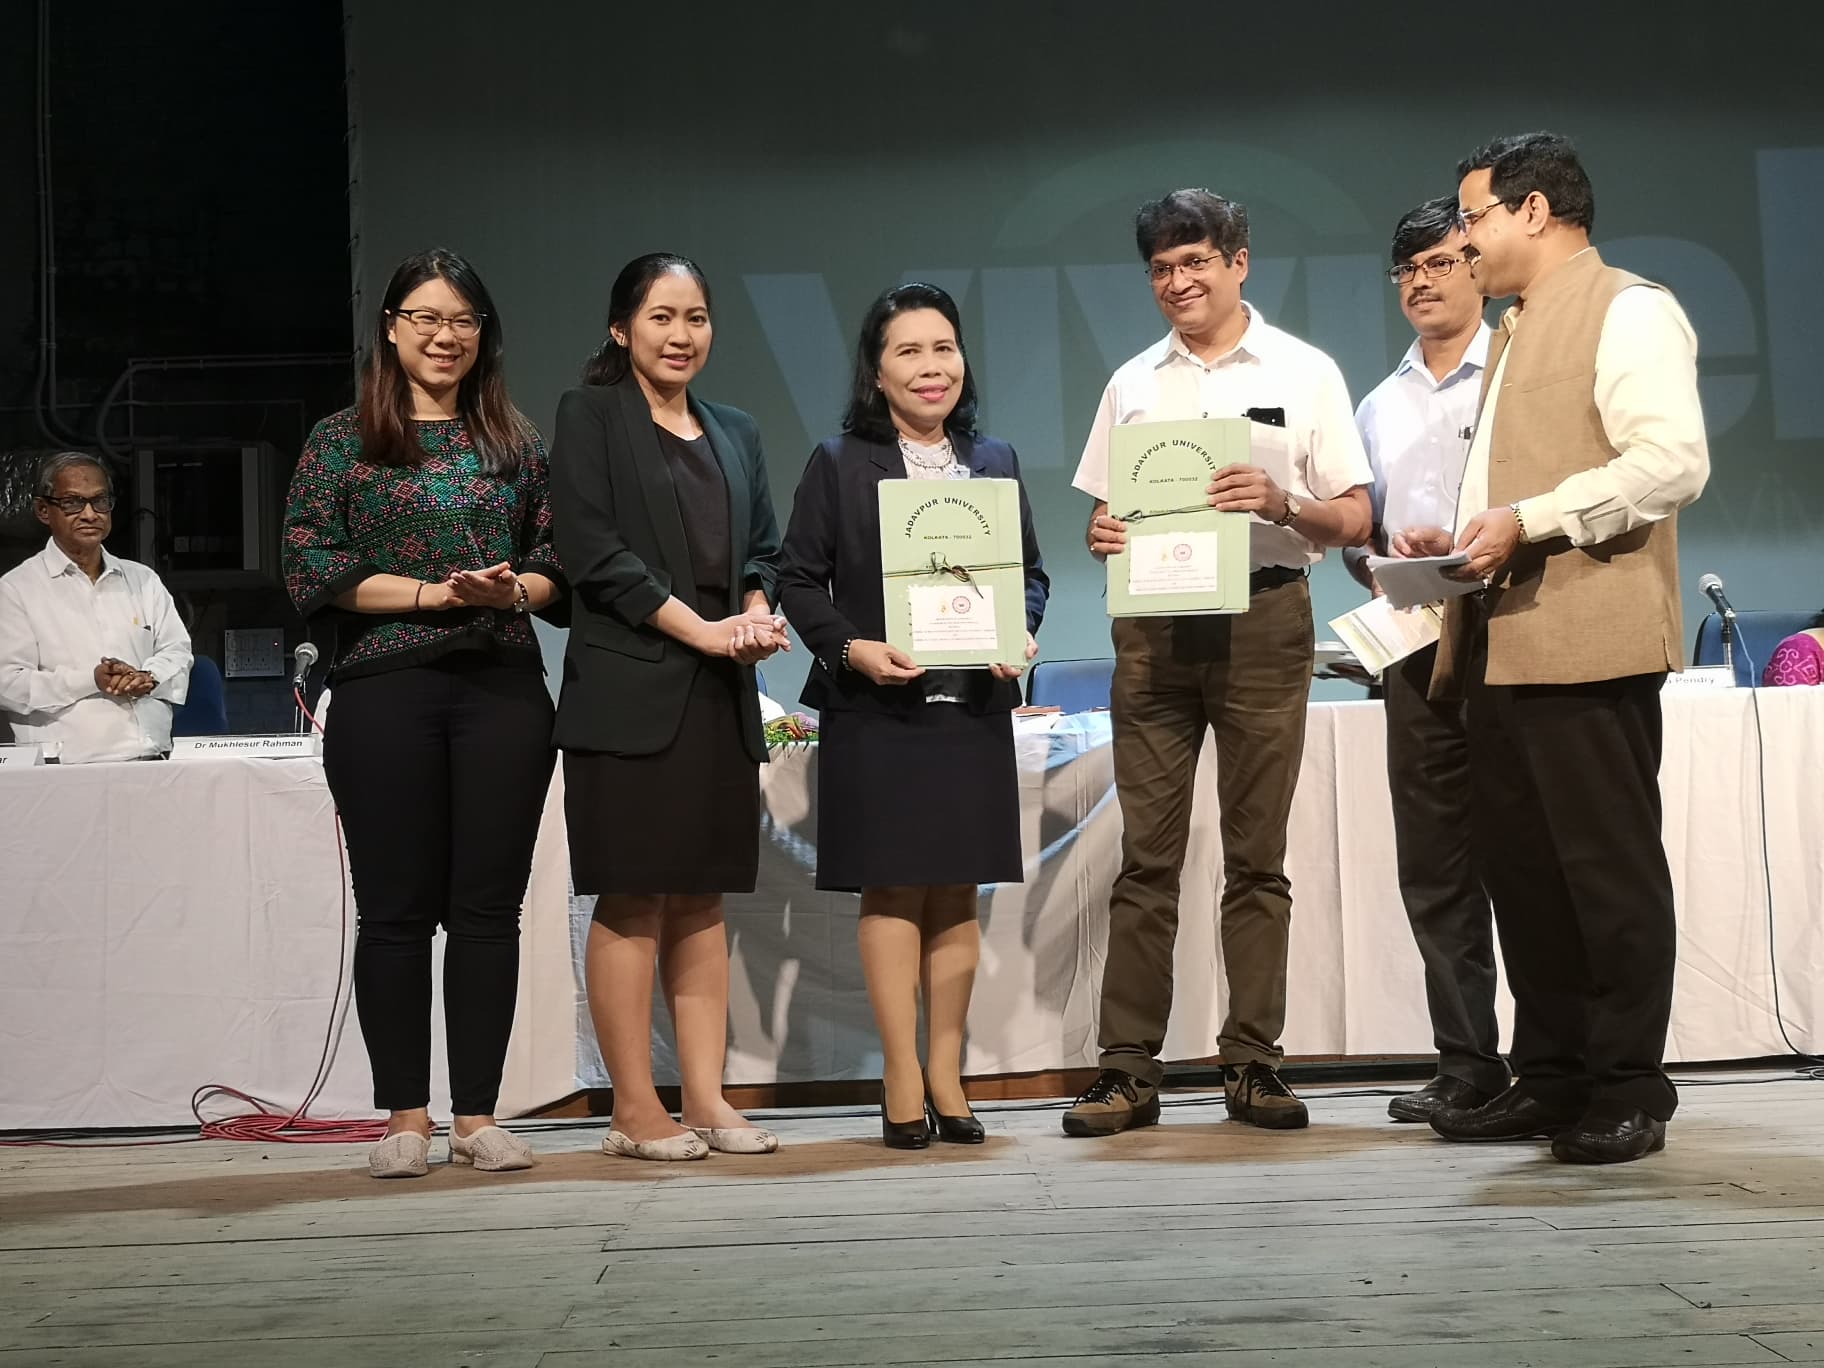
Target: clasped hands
column 495, row 587
column 1233, row 489
column 117, row 679
column 747, row 638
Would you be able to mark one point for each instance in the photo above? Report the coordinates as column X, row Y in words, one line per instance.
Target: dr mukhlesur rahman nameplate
column 952, row 572
column 1182, row 556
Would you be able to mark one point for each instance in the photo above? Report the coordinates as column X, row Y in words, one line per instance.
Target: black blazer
column 829, row 572
column 620, row 538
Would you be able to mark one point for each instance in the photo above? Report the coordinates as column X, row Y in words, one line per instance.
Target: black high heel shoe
column 907, row 1135
column 955, row 1130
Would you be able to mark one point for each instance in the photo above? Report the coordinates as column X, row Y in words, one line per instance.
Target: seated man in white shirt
column 93, row 655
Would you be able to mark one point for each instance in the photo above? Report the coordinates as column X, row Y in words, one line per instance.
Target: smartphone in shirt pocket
column 1270, row 447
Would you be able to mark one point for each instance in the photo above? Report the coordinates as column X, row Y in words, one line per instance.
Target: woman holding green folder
column 918, row 794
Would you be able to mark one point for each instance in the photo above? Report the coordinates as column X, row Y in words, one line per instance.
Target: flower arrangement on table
column 792, row 729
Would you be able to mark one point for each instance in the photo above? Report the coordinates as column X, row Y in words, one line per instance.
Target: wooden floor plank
column 1356, row 1243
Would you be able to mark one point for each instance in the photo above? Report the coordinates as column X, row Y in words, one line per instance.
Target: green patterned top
column 346, row 519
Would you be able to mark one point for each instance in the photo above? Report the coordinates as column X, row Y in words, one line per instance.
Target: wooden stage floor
column 1199, row 1242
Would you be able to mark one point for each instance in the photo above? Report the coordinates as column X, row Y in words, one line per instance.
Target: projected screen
column 810, row 157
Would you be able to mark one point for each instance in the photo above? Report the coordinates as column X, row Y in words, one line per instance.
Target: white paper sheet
column 1174, row 563
column 952, row 618
column 1408, row 581
column 1380, row 633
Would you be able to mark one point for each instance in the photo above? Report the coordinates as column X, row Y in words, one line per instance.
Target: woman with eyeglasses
column 665, row 523
column 418, row 522
column 918, row 796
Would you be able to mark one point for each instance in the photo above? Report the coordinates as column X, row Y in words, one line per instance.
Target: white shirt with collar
column 1417, row 430
column 1646, row 395
column 55, row 627
column 1317, row 455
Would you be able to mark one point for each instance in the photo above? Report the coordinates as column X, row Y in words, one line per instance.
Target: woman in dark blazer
column 662, row 507
column 918, row 794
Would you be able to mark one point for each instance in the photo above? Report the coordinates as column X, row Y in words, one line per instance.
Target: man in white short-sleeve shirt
column 1246, row 676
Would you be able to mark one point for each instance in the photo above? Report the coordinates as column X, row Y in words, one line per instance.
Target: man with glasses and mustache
column 1246, row 677
column 93, row 654
column 1416, row 425
column 1589, row 441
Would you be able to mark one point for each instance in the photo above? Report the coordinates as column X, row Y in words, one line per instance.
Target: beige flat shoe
column 399, row 1156
column 491, row 1149
column 672, row 1149
column 739, row 1139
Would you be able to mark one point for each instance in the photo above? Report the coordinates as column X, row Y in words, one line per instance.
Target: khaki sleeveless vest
column 1563, row 614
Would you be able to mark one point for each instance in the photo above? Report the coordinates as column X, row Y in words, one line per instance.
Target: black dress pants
column 1428, row 776
column 440, row 773
column 1568, row 834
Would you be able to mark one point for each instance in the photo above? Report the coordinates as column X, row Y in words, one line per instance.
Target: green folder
column 953, row 574
column 1183, row 557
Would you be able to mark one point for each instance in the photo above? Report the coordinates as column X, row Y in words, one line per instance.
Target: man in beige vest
column 1589, row 441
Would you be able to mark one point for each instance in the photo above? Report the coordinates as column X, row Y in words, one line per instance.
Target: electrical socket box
column 253, row 652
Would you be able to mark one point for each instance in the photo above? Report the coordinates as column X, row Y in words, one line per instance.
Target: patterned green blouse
column 346, row 520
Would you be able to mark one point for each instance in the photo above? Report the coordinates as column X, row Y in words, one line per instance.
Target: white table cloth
column 168, row 925
column 163, row 926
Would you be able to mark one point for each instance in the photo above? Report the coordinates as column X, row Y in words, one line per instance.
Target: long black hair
column 867, row 416
column 611, row 362
column 389, row 433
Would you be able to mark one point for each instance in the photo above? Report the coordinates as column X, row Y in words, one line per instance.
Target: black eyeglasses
column 72, row 504
column 428, row 322
column 1435, row 268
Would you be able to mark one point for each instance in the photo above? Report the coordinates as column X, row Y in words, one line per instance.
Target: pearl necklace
column 945, row 460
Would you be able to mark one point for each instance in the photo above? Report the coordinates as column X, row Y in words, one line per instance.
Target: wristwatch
column 1293, row 509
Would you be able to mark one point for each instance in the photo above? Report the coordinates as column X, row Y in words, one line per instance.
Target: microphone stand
column 1729, row 644
column 300, row 723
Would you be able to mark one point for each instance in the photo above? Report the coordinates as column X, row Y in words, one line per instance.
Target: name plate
column 255, row 747
column 22, row 754
column 1702, row 677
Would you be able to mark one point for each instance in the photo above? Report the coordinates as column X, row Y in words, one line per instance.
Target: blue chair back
column 1073, row 685
column 760, row 680
column 1758, row 634
column 204, row 711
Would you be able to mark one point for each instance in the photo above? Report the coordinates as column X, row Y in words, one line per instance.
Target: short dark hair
column 1191, row 215
column 389, row 433
column 611, row 363
column 45, row 485
column 867, row 416
column 1423, row 228
column 1546, row 162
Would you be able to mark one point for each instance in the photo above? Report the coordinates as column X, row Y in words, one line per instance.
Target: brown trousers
column 1248, row 678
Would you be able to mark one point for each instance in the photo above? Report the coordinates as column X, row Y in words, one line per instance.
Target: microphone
column 305, row 656
column 1713, row 586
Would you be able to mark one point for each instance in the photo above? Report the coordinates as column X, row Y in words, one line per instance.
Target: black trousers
column 1568, row 834
column 1429, row 776
column 440, row 773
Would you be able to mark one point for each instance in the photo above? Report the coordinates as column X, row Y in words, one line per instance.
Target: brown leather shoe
column 1115, row 1102
column 1256, row 1094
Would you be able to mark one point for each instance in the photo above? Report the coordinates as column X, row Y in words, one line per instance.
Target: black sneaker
column 1115, row 1102
column 1257, row 1095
